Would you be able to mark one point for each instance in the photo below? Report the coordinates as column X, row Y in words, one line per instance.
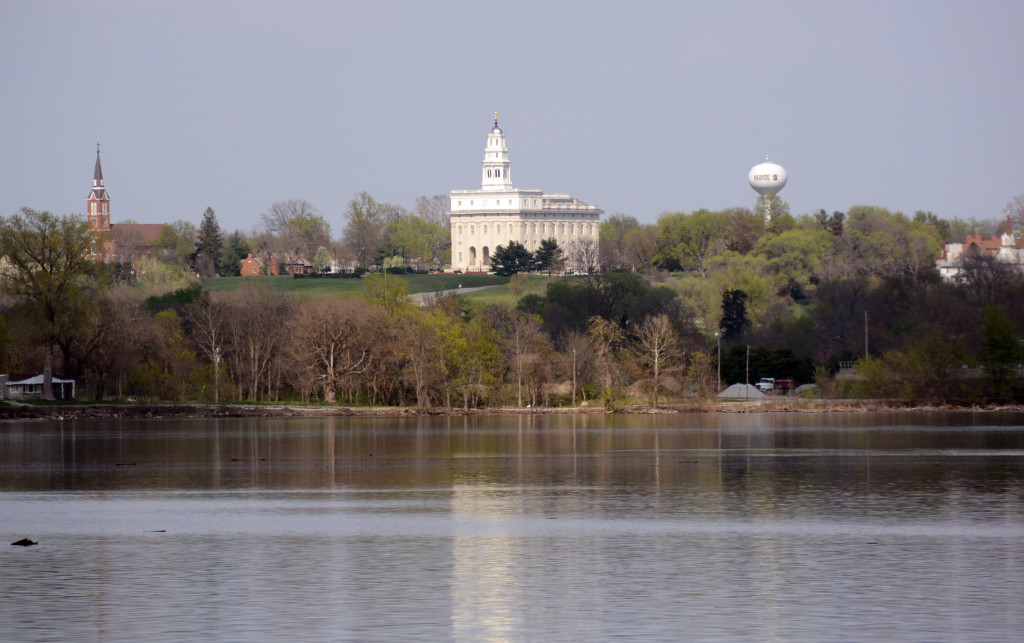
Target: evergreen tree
column 511, row 259
column 549, row 257
column 229, row 263
column 209, row 242
column 734, row 314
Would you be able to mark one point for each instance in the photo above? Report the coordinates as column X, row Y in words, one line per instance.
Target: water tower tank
column 767, row 177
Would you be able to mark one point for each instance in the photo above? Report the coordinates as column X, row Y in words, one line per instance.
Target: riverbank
column 25, row 411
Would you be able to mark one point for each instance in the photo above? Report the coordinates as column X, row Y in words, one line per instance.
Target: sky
column 640, row 107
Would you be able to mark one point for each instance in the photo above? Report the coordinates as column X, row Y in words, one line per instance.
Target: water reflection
column 662, row 527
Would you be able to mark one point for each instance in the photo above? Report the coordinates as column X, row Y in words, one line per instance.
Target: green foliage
column 229, row 264
column 779, row 363
column 623, row 299
column 155, row 277
column 391, row 293
column 176, row 244
column 1000, row 350
column 549, row 257
column 689, row 241
column 322, row 260
column 511, row 259
column 734, row 314
column 176, row 300
column 209, row 243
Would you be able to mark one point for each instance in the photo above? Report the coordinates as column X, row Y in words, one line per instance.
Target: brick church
column 120, row 242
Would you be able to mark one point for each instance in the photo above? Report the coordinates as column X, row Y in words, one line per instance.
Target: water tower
column 767, row 178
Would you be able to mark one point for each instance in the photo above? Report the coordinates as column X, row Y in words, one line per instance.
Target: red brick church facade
column 121, row 242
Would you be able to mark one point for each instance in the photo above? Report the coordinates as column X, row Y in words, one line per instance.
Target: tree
column 585, row 256
column 257, row 335
column 235, row 250
column 549, row 257
column 510, row 259
column 1000, row 350
column 641, row 246
column 657, row 343
column 390, row 293
column 294, row 229
column 434, row 209
column 614, row 231
column 209, row 244
column 322, row 260
column 689, row 241
column 734, row 314
column 328, row 337
column 517, row 284
column 364, row 227
column 48, row 271
column 1015, row 211
column 176, row 244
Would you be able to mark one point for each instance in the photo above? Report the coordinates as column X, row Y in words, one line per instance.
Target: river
column 728, row 527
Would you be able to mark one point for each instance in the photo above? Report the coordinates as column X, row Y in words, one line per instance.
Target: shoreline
column 25, row 411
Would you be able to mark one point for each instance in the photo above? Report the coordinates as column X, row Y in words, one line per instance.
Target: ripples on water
column 593, row 528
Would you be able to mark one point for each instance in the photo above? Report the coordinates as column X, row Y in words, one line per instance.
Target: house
column 251, row 266
column 32, row 387
column 1005, row 247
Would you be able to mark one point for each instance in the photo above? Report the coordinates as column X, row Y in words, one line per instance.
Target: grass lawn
column 417, row 283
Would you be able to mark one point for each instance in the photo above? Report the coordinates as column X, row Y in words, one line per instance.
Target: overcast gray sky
column 639, row 107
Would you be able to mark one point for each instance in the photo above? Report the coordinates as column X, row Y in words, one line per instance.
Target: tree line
column 694, row 293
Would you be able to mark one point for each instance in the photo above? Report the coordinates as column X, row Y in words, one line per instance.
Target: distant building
column 122, row 242
column 251, row 266
column 497, row 213
column 1005, row 247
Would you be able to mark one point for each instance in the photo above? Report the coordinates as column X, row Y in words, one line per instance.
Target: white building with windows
column 497, row 213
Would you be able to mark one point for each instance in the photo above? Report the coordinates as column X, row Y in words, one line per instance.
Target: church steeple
column 496, row 170
column 98, row 205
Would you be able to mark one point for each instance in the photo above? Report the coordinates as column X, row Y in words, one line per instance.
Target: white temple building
column 497, row 213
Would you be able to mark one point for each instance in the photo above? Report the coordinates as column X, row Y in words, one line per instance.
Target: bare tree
column 657, row 347
column 579, row 355
column 209, row 326
column 523, row 339
column 641, row 246
column 434, row 209
column 364, row 227
column 327, row 334
column 257, row 332
column 294, row 228
column 1015, row 210
column 584, row 255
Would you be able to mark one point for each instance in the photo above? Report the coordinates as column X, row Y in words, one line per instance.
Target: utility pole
column 746, row 389
column 865, row 335
column 718, row 336
column 216, row 375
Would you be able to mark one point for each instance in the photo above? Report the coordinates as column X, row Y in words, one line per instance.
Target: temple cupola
column 98, row 205
column 496, row 168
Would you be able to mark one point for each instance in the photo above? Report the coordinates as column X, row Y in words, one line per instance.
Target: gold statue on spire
column 495, row 117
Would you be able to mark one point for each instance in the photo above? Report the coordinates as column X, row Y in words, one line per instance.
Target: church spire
column 98, row 205
column 97, row 175
column 497, row 169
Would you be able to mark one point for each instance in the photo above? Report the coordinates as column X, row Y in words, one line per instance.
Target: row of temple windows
column 497, row 174
column 534, row 228
column 498, row 201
